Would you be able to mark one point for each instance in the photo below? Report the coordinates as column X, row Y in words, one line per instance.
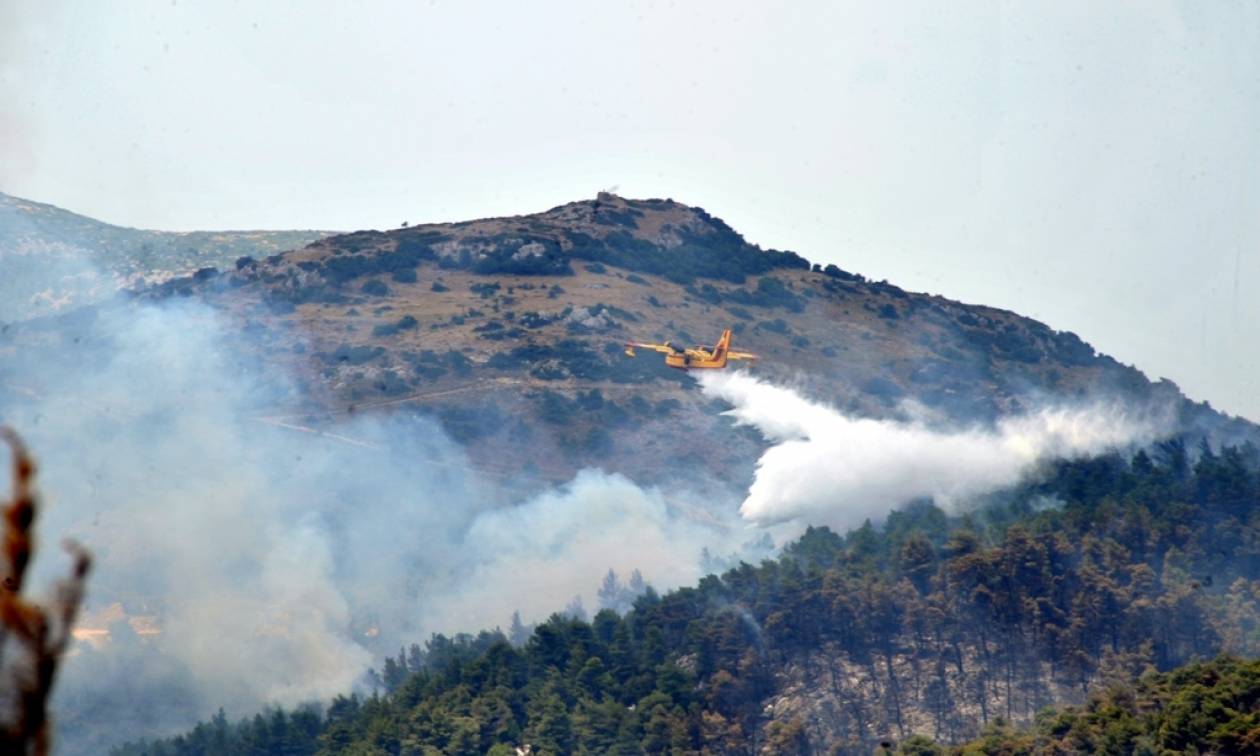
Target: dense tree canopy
column 940, row 625
column 1212, row 707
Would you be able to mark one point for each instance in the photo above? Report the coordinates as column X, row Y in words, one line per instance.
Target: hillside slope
column 53, row 259
column 503, row 327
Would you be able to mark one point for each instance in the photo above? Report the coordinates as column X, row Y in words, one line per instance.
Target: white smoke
column 825, row 467
column 564, row 540
column 279, row 565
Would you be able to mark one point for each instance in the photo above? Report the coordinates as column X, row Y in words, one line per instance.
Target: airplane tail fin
column 723, row 346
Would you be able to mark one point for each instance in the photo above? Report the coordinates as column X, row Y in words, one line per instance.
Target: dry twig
column 43, row 631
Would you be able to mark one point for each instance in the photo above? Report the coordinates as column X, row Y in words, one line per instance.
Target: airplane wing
column 662, row 348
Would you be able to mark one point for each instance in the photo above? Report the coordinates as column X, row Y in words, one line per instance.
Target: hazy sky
column 1094, row 165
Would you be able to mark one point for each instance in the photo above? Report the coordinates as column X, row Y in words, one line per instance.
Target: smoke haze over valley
column 278, row 565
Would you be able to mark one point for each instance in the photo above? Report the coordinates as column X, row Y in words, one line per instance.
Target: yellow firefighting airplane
column 695, row 357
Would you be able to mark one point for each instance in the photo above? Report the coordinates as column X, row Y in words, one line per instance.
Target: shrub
column 458, row 362
column 391, row 383
column 843, row 275
column 883, row 287
column 351, row 355
column 346, row 267
column 882, row 388
column 553, row 408
column 535, row 320
column 616, row 312
column 414, row 248
column 707, row 293
column 770, row 292
column 608, row 216
column 405, row 323
column 376, row 288
column 427, row 364
column 339, row 270
column 512, row 255
column 718, row 253
column 485, row 290
column 468, row 423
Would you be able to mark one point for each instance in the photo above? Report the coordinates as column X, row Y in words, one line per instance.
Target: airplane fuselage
column 695, row 359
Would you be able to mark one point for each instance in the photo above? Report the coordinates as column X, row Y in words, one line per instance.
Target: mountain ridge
column 56, row 259
column 546, row 299
column 499, row 328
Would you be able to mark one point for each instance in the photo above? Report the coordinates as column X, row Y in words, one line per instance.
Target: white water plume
column 826, row 467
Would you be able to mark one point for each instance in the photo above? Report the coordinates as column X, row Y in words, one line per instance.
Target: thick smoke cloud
column 277, row 566
column 824, row 467
column 548, row 545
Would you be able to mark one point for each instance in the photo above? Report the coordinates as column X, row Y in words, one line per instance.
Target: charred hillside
column 509, row 331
